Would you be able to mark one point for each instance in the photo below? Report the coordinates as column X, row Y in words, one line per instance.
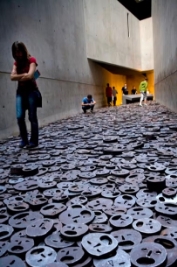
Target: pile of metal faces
column 99, row 190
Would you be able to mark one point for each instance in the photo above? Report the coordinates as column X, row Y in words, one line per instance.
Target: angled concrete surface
column 113, row 38
column 164, row 15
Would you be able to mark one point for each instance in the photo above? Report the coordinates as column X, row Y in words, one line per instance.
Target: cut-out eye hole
column 162, row 199
column 50, row 254
column 106, row 240
column 144, row 249
column 139, row 224
column 158, row 252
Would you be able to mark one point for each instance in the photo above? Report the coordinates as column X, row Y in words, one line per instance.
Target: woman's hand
column 14, row 76
column 25, row 77
column 30, row 75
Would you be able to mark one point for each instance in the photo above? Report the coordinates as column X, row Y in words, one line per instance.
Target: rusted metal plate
column 127, row 238
column 40, row 256
column 70, row 255
column 145, row 254
column 99, row 244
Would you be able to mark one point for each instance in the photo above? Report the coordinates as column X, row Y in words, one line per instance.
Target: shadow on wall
column 99, row 77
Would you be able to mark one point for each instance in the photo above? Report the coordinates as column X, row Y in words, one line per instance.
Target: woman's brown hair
column 20, row 47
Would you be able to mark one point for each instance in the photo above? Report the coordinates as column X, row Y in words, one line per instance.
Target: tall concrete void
column 164, row 15
column 69, row 37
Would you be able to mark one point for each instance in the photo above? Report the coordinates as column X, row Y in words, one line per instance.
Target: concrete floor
column 112, row 172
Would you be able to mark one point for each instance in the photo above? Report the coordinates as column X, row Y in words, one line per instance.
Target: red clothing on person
column 108, row 91
column 24, row 67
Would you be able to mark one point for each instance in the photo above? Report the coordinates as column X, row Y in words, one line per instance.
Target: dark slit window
column 128, row 28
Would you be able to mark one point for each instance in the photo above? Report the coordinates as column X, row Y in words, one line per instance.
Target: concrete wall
column 54, row 32
column 164, row 15
column 107, row 34
column 62, row 35
column 146, row 37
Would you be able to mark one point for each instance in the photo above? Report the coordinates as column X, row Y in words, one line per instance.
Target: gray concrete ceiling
column 114, row 69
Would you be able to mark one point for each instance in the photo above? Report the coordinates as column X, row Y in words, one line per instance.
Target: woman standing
column 27, row 91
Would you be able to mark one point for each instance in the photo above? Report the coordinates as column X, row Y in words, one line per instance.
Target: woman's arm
column 14, row 76
column 30, row 74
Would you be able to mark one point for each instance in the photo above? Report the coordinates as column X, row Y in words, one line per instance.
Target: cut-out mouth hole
column 153, row 202
column 62, row 196
column 86, row 193
column 165, row 243
column 171, row 189
column 129, row 190
column 48, row 207
column 42, row 199
column 38, row 196
column 30, row 186
column 138, row 209
column 70, row 232
column 173, row 176
column 3, row 233
column 127, row 197
column 67, row 259
column 17, row 248
column 132, row 176
column 145, row 261
column 170, row 206
column 125, row 244
column 98, row 228
column 21, row 216
column 116, row 217
column 2, row 216
column 19, row 208
column 82, row 198
column 19, row 199
column 97, row 213
column 75, row 206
